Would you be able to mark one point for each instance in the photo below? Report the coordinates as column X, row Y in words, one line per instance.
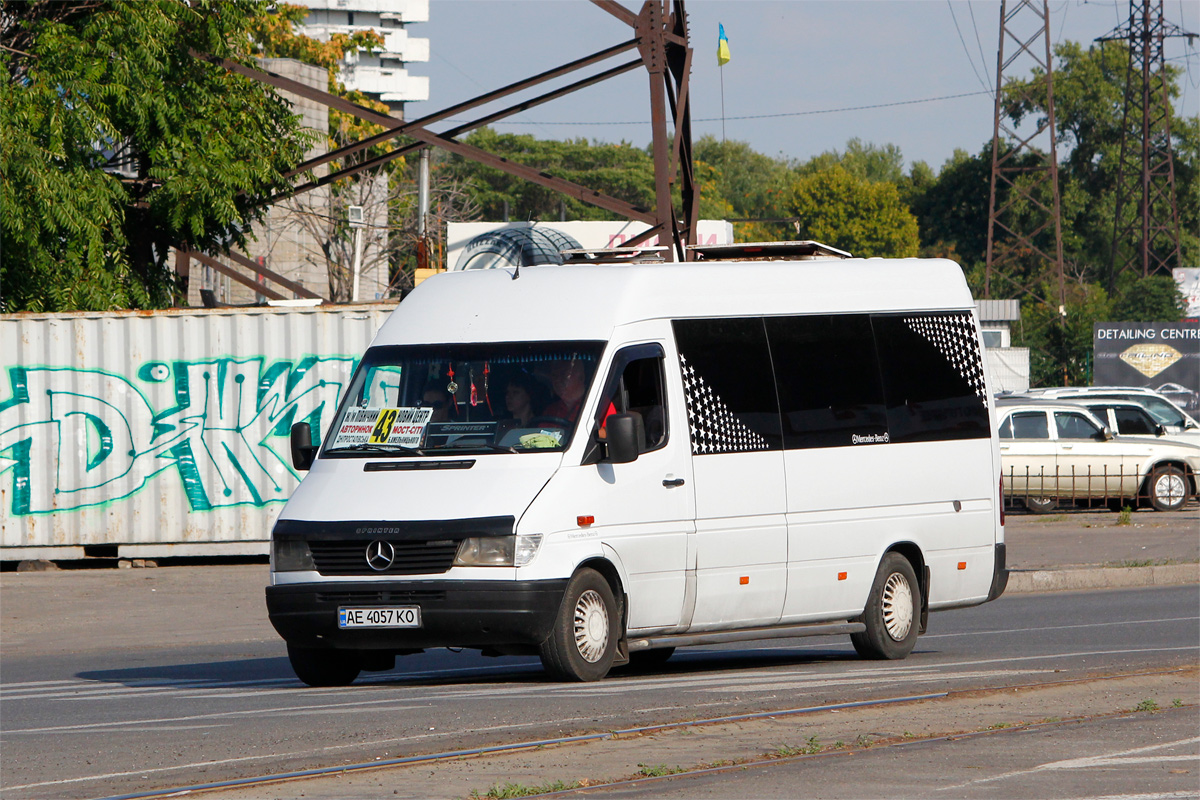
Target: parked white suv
column 1058, row 452
column 1174, row 418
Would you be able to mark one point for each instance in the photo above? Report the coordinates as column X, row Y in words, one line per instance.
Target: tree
column 618, row 170
column 1089, row 90
column 868, row 219
column 120, row 144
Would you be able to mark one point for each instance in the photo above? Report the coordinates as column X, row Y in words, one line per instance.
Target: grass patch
column 1146, row 705
column 512, row 790
column 1126, row 516
column 658, row 770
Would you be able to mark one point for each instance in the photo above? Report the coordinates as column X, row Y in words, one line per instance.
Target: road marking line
column 1108, row 759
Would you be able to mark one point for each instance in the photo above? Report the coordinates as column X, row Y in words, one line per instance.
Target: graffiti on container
column 73, row 439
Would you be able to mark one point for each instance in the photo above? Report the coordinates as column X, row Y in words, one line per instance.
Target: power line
column 966, row 49
column 758, row 116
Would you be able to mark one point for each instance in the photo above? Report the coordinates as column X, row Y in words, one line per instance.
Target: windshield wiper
column 491, row 448
column 379, row 448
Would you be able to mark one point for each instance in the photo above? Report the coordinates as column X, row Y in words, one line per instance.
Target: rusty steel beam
column 296, row 288
column 661, row 38
column 467, row 151
column 233, row 273
column 467, row 105
column 464, row 128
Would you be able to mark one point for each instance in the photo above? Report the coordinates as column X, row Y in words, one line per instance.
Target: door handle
column 673, row 482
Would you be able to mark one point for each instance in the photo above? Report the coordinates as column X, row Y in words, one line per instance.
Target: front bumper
column 453, row 613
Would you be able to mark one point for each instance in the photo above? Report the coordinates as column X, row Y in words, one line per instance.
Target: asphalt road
column 121, row 705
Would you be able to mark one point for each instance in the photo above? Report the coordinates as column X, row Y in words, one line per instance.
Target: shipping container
column 162, row 433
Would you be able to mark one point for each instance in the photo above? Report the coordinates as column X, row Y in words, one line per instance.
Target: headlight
column 291, row 555
column 498, row 551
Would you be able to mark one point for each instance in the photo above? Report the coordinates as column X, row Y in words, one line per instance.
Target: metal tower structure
column 660, row 41
column 1024, row 241
column 1148, row 238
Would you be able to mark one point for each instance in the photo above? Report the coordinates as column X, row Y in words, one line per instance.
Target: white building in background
column 384, row 74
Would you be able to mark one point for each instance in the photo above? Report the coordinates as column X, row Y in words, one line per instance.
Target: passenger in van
column 435, row 398
column 567, row 381
column 519, row 399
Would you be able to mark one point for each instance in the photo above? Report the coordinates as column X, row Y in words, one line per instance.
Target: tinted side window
column 1134, row 422
column 639, row 389
column 729, row 385
column 1075, row 426
column 932, row 377
column 828, row 377
column 1025, row 425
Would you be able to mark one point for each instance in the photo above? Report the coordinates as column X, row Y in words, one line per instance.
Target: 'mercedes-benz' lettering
column 871, row 438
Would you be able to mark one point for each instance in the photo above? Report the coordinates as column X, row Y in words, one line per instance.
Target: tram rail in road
column 151, row 717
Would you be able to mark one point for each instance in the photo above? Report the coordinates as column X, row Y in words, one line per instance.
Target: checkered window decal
column 714, row 428
column 953, row 335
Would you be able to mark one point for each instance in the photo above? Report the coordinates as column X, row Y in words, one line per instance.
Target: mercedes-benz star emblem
column 380, row 555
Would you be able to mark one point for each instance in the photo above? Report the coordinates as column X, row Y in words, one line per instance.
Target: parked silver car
column 1160, row 407
column 1055, row 453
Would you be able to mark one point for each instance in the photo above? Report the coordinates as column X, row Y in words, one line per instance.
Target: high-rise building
column 383, row 75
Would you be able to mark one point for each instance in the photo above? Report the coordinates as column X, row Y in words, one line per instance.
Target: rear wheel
column 583, row 643
column 1168, row 488
column 892, row 613
column 324, row 667
column 1041, row 505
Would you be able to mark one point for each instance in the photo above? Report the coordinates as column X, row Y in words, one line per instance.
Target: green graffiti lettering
column 72, row 439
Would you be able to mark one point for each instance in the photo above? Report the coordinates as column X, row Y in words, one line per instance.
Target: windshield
column 514, row 397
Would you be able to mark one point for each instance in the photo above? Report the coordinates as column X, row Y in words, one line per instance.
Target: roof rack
column 744, row 251
column 759, row 251
column 614, row 255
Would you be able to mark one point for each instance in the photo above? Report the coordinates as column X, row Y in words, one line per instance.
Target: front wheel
column 324, row 667
column 892, row 611
column 1168, row 488
column 583, row 644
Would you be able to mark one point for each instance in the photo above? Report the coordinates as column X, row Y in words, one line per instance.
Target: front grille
column 349, row 557
column 370, row 598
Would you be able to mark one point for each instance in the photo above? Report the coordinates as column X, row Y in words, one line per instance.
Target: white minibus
column 600, row 462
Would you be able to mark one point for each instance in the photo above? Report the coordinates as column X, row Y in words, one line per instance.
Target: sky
column 805, row 76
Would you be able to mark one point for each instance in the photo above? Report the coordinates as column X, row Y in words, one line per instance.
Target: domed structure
column 524, row 246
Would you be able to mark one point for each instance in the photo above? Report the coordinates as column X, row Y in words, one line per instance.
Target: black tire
column 1167, row 488
column 647, row 660
column 324, row 667
column 583, row 644
column 1041, row 505
column 893, row 611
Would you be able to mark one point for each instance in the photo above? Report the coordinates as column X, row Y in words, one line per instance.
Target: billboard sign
column 1164, row 356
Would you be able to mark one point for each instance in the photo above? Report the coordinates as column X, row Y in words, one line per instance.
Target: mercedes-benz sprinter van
column 600, row 462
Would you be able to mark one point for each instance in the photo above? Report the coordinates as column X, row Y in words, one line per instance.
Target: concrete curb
column 1059, row 580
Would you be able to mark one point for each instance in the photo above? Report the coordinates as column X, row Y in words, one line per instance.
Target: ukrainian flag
column 722, row 47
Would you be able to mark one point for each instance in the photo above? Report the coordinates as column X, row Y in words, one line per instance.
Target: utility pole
column 1024, row 213
column 1147, row 239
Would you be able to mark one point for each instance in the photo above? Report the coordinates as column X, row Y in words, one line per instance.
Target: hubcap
column 591, row 626
column 1169, row 489
column 897, row 606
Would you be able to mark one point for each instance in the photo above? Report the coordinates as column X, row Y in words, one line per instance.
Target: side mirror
column 624, row 437
column 1160, row 429
column 304, row 452
column 1106, row 434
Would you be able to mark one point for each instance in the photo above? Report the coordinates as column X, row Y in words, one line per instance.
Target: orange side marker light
column 841, row 576
column 584, row 521
column 962, row 565
column 744, row 580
